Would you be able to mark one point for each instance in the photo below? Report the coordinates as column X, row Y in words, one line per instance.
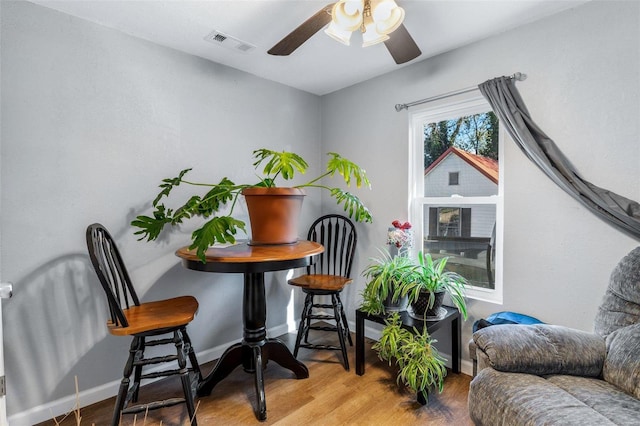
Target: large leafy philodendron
column 223, row 228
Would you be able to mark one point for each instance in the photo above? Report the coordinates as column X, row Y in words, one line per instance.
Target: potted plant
column 222, row 228
column 420, row 365
column 386, row 272
column 384, row 275
column 426, row 285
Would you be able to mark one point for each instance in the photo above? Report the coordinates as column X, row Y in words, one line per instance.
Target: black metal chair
column 327, row 277
column 129, row 317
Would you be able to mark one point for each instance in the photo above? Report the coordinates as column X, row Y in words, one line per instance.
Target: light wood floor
column 330, row 396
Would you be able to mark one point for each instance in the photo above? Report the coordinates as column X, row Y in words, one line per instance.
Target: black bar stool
column 327, row 277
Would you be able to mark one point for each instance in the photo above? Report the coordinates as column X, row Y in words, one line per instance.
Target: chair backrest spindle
column 111, row 272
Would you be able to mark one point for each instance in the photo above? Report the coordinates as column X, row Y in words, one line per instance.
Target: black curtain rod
column 399, row 107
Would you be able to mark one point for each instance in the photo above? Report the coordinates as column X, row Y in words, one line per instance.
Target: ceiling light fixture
column 376, row 19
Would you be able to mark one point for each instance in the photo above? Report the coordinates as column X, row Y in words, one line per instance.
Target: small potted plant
column 426, row 286
column 420, row 366
column 222, row 228
column 385, row 274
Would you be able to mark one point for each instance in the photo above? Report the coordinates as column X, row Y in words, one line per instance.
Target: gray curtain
column 506, row 102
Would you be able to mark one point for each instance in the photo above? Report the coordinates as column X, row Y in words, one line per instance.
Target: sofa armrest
column 540, row 349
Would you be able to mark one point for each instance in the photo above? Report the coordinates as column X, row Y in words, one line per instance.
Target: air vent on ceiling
column 225, row 40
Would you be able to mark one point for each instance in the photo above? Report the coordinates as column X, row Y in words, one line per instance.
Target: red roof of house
column 485, row 165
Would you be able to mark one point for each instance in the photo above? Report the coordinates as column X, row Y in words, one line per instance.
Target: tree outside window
column 477, row 134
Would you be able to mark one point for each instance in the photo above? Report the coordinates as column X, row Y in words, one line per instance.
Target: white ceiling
column 321, row 65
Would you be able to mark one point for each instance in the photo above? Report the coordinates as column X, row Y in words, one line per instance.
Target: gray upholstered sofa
column 553, row 375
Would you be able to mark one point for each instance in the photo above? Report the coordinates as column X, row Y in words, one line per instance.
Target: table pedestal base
column 253, row 359
column 256, row 350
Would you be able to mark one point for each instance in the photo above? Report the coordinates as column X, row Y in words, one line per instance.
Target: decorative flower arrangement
column 400, row 235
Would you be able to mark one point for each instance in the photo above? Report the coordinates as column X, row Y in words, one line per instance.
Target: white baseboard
column 62, row 406
column 466, row 367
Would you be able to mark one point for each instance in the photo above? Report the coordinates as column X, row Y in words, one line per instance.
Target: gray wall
column 583, row 90
column 92, row 121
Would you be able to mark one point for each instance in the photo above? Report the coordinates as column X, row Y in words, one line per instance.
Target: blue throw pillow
column 505, row 317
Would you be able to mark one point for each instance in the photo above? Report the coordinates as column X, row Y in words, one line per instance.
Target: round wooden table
column 255, row 349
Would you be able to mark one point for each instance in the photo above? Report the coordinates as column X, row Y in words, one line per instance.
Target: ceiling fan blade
column 308, row 28
column 401, row 45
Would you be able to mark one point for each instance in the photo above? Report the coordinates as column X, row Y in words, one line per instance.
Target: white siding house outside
column 471, row 183
column 464, row 232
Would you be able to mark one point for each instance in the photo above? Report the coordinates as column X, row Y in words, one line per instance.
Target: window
column 449, row 222
column 456, row 196
column 453, row 178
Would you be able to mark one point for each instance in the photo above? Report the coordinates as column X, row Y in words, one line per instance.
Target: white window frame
column 458, row 106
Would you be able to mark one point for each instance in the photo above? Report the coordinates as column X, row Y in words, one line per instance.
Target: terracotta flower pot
column 274, row 214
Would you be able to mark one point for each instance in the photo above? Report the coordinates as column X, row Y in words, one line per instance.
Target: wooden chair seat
column 158, row 315
column 321, row 282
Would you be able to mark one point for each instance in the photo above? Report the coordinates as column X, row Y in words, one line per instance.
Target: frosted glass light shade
column 371, row 36
column 375, row 18
column 338, row 34
column 353, row 6
column 347, row 14
column 387, row 16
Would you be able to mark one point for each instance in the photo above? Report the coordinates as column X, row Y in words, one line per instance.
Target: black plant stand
column 451, row 317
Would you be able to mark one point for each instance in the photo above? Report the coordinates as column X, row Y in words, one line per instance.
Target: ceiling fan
column 378, row 20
